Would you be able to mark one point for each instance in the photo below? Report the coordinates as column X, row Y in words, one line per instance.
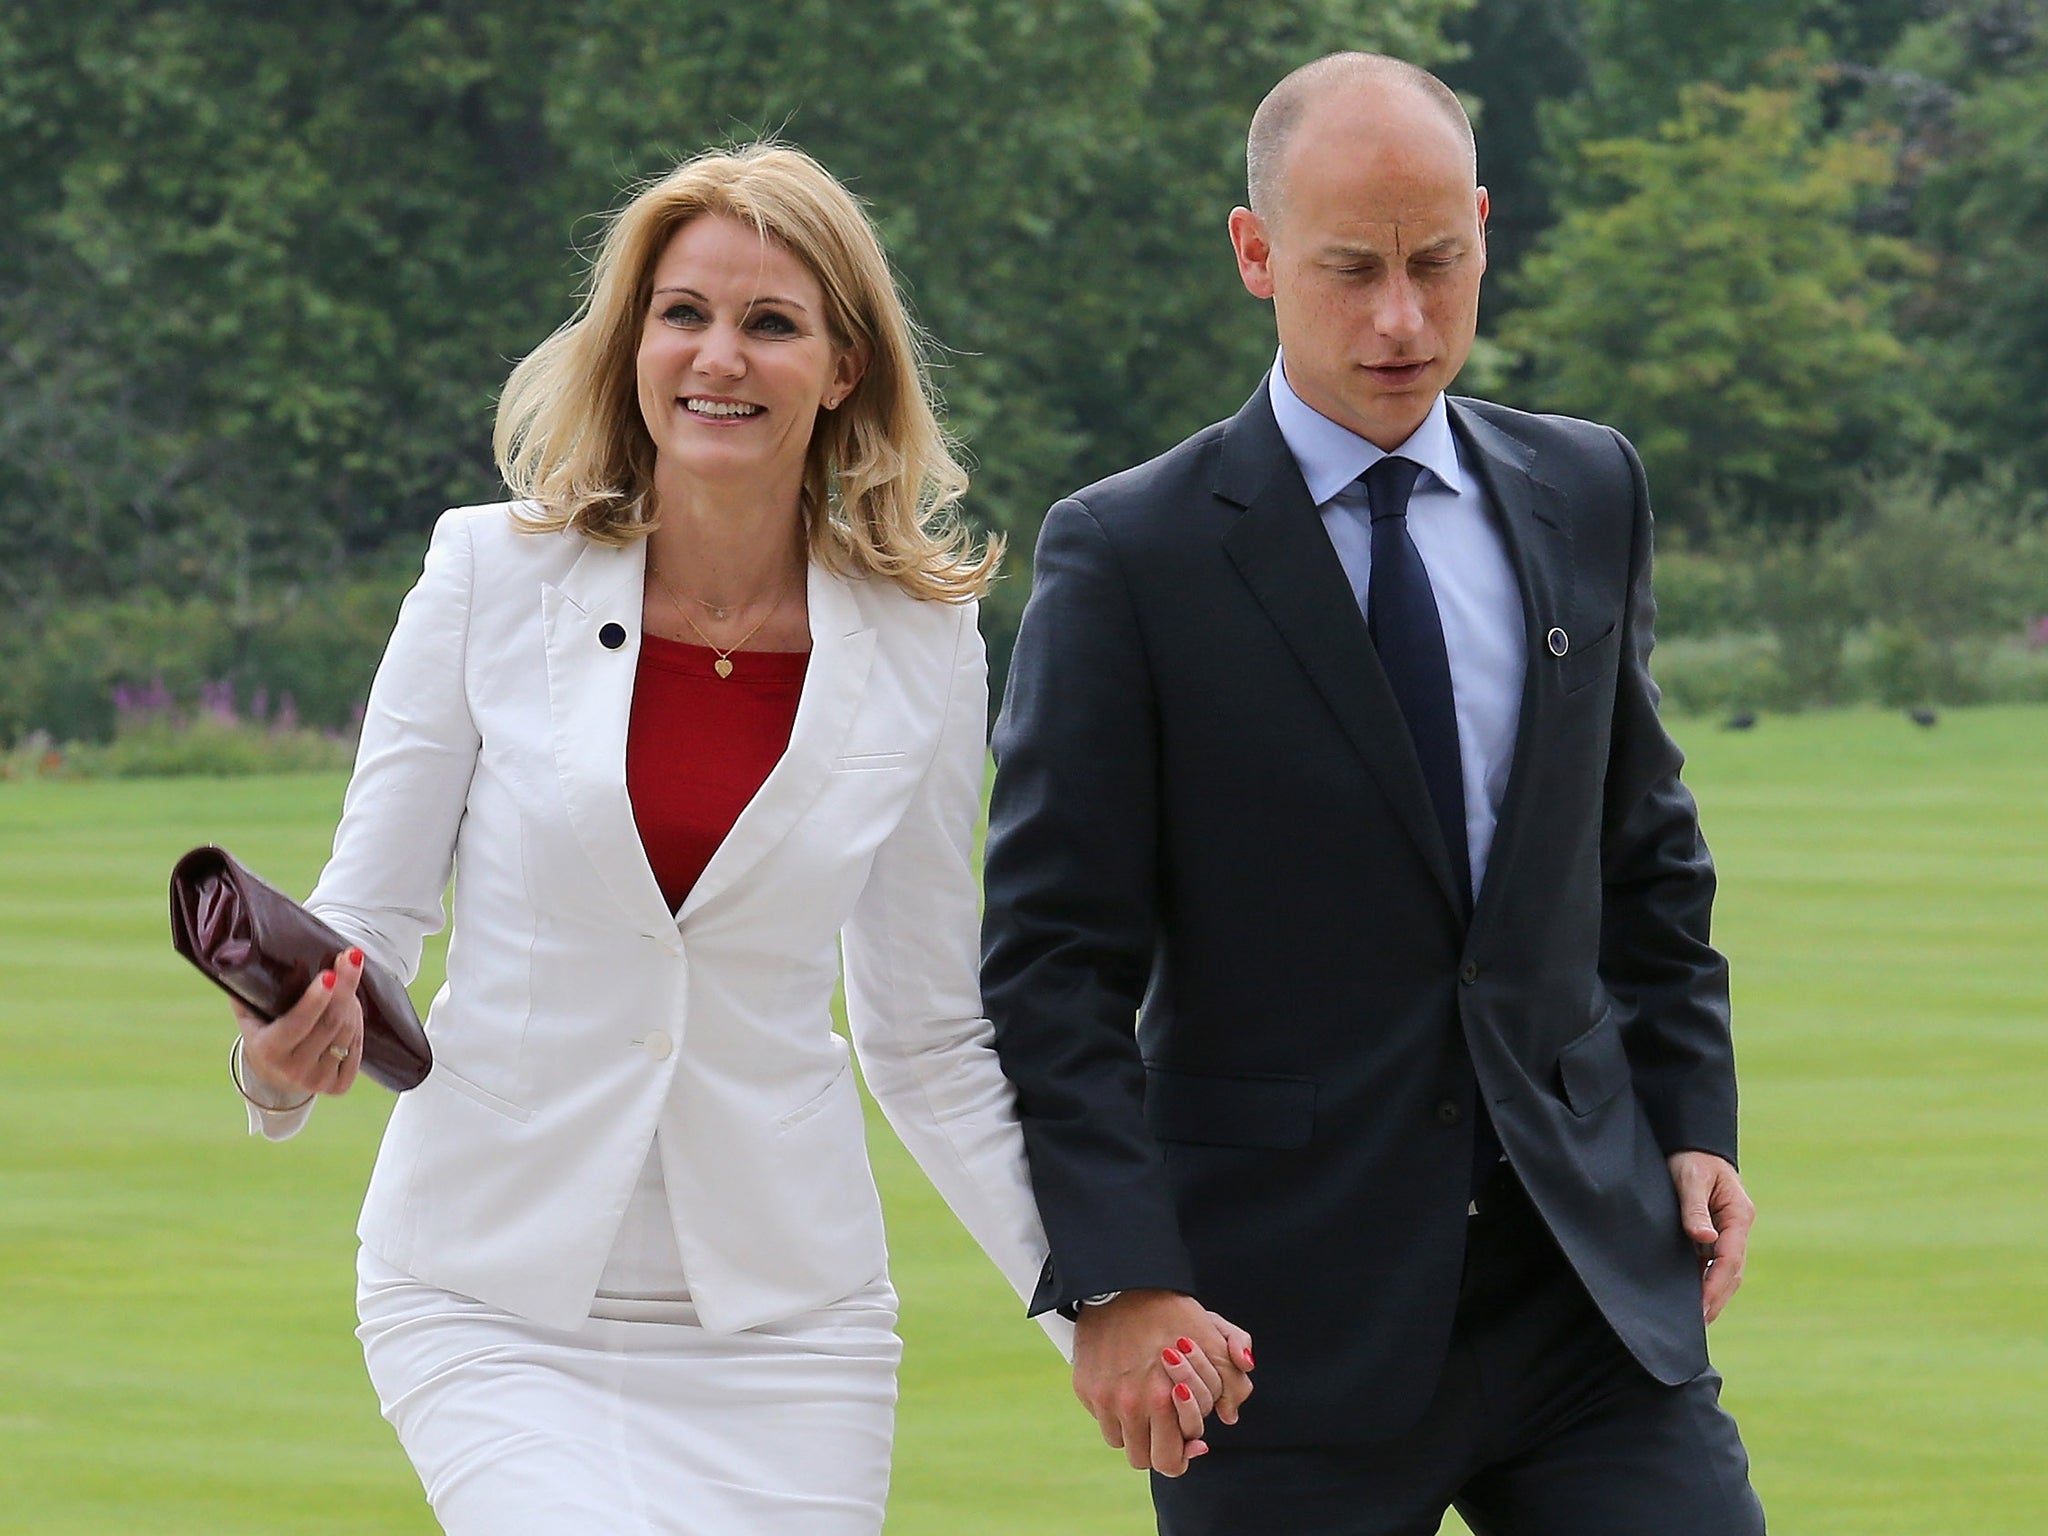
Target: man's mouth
column 1398, row 373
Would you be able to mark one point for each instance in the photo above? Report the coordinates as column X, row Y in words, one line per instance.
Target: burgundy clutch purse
column 257, row 944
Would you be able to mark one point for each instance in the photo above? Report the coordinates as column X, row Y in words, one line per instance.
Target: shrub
column 320, row 645
column 1716, row 674
column 210, row 746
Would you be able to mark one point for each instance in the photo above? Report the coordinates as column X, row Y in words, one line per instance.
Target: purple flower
column 2037, row 634
column 287, row 713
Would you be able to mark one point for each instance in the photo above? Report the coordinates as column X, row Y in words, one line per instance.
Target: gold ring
column 338, row 1052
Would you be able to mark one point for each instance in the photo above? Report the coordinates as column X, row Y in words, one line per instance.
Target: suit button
column 1448, row 1112
column 1469, row 972
column 658, row 1045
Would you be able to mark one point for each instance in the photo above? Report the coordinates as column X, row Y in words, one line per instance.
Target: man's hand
column 1717, row 1213
column 1150, row 1366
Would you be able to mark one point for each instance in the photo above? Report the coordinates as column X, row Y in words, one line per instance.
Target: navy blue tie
column 1408, row 633
column 1401, row 614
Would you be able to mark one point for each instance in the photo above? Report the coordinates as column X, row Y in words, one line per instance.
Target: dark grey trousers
column 1543, row 1425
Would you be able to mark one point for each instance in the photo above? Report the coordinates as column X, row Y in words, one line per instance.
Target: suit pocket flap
column 1588, row 659
column 1593, row 1067
column 1273, row 1112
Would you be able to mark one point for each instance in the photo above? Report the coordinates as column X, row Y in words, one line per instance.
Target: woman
column 707, row 699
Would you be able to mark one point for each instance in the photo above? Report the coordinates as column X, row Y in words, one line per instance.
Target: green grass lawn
column 175, row 1300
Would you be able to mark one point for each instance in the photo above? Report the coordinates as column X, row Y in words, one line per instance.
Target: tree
column 1970, row 90
column 1726, row 312
column 263, row 271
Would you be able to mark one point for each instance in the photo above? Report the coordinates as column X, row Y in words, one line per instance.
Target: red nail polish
column 1247, row 1359
column 1187, row 1346
column 1171, row 1357
column 355, row 957
column 1180, row 1390
column 327, row 980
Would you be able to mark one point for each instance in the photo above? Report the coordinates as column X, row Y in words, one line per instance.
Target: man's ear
column 1254, row 252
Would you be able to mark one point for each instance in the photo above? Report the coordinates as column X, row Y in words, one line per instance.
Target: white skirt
column 637, row 1423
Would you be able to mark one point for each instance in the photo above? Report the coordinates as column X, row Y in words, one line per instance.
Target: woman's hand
column 314, row 1047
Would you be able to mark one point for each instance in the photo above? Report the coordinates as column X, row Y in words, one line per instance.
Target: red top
column 699, row 745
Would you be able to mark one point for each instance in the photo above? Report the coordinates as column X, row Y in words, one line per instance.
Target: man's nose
column 1397, row 310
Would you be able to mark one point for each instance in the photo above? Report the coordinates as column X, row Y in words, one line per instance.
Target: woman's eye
column 774, row 324
column 681, row 314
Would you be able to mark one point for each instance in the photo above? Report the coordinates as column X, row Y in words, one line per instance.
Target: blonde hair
column 881, row 487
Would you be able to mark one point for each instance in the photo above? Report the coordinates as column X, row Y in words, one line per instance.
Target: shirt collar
column 1331, row 457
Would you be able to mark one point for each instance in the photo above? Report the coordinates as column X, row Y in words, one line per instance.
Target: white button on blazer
column 580, row 1014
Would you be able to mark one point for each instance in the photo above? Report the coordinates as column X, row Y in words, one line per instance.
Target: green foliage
column 1725, row 312
column 1720, row 673
column 1918, row 593
column 317, row 645
column 208, row 747
column 1980, row 200
column 264, row 269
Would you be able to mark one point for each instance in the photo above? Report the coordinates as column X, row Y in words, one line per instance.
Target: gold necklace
column 723, row 665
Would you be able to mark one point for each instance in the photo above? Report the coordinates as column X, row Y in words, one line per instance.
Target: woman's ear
column 847, row 372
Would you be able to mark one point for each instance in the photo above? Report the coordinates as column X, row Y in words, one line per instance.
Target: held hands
column 1717, row 1213
column 1151, row 1366
column 314, row 1047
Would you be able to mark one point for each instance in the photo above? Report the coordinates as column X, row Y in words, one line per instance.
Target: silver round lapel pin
column 1560, row 642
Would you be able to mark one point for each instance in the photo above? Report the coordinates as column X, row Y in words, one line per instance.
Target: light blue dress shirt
column 1467, row 560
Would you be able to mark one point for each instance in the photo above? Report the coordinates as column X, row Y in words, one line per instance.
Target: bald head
column 1376, row 81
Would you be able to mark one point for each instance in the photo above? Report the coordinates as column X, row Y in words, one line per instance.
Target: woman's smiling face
column 736, row 359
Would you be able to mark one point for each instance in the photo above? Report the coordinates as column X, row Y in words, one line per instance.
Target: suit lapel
column 1284, row 556
column 1535, row 524
column 842, row 652
column 590, row 698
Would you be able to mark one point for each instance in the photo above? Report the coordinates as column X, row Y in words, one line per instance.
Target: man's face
column 1372, row 259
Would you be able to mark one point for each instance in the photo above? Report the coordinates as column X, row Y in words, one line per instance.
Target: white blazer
column 581, row 1014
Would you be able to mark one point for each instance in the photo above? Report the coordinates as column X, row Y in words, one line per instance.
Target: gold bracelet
column 235, row 1076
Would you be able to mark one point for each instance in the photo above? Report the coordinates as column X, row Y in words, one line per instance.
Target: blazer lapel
column 1536, row 526
column 842, row 651
column 590, row 697
column 1284, row 556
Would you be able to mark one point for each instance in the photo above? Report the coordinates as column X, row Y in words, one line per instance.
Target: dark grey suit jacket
column 1208, row 815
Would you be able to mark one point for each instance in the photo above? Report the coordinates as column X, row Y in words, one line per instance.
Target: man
column 1331, row 753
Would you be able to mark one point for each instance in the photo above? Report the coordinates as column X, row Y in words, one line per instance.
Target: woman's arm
column 913, row 1000
column 382, row 888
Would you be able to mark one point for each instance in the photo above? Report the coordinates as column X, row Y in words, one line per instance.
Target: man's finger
column 1698, row 1219
column 1112, row 1430
column 1169, row 1445
column 1136, row 1433
column 1724, row 1276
